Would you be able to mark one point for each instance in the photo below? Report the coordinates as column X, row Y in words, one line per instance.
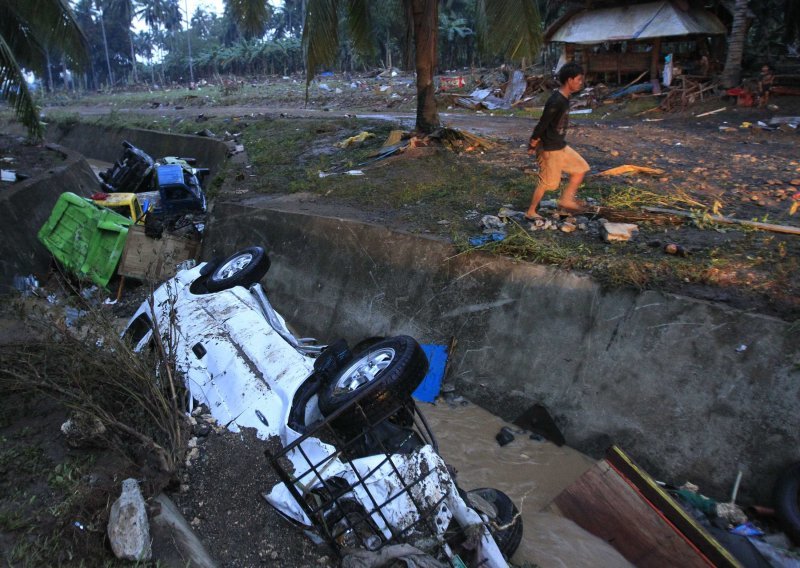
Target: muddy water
column 532, row 473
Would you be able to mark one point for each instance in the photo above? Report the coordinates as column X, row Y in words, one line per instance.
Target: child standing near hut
column 765, row 83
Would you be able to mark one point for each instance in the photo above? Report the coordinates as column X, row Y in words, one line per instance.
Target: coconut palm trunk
column 732, row 73
column 425, row 14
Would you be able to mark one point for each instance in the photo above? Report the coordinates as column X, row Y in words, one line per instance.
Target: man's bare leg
column 537, row 197
column 567, row 200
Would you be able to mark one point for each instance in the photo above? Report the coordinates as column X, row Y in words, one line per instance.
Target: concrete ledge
column 27, row 205
column 105, row 143
column 660, row 375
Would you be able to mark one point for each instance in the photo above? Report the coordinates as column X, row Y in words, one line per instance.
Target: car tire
column 244, row 268
column 506, row 526
column 398, row 364
column 787, row 501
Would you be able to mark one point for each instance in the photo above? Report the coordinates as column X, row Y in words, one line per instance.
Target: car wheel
column 244, row 268
column 506, row 522
column 398, row 363
column 787, row 501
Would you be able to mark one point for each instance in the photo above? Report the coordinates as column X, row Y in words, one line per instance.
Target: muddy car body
column 367, row 484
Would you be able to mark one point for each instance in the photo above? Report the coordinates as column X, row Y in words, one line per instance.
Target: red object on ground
column 451, row 82
column 744, row 98
column 99, row 196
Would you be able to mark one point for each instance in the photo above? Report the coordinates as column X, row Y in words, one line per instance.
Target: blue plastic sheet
column 640, row 88
column 483, row 239
column 428, row 389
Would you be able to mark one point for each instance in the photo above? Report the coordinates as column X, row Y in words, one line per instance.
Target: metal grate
column 349, row 514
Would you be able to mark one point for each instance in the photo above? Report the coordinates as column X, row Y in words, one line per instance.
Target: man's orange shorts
column 555, row 162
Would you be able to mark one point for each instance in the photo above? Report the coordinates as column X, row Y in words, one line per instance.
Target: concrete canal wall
column 105, row 143
column 27, row 205
column 690, row 389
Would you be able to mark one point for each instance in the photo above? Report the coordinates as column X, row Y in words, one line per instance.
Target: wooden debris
column 711, row 112
column 629, row 168
column 460, row 138
column 688, row 93
column 731, row 221
column 395, row 136
column 623, row 505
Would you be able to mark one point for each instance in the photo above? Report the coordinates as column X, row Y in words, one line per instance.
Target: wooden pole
column 731, row 221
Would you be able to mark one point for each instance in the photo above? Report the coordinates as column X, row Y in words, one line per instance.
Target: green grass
column 21, row 460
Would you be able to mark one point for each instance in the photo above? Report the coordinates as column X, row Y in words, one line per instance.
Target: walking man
column 548, row 141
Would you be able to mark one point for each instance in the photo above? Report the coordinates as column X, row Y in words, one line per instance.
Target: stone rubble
column 128, row 529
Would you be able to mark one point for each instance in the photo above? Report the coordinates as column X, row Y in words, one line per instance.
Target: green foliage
column 29, row 32
column 251, row 16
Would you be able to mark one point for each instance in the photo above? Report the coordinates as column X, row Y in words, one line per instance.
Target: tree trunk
column 425, row 15
column 50, row 86
column 105, row 46
column 133, row 56
column 732, row 74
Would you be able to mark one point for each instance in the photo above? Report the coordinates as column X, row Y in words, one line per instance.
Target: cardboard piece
column 154, row 260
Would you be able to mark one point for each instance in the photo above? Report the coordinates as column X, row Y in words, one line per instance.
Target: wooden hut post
column 655, row 58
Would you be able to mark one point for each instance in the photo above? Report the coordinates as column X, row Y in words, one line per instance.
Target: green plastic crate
column 86, row 239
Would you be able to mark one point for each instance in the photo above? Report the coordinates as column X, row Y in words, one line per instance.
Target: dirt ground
column 55, row 498
column 25, row 159
column 722, row 163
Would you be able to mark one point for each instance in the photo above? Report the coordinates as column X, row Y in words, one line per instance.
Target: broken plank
column 653, row 494
column 786, row 229
column 715, row 111
column 609, row 502
column 603, row 504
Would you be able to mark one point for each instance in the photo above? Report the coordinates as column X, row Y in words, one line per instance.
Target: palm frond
column 14, row 89
column 360, row 25
column 509, row 27
column 251, row 16
column 39, row 25
column 320, row 36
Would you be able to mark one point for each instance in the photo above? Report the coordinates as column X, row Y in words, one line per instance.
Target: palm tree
column 453, row 28
column 201, row 22
column 157, row 13
column 27, row 30
column 510, row 27
column 251, row 16
column 732, row 73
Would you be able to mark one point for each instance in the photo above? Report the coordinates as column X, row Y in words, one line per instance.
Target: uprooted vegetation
column 60, row 380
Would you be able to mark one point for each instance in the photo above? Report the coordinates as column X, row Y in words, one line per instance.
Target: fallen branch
column 731, row 221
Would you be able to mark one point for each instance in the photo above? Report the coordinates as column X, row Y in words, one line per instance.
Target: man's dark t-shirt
column 551, row 129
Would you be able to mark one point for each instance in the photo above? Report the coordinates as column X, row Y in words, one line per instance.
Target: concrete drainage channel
column 690, row 389
column 664, row 377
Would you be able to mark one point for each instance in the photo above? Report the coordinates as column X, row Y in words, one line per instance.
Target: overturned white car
column 355, row 456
